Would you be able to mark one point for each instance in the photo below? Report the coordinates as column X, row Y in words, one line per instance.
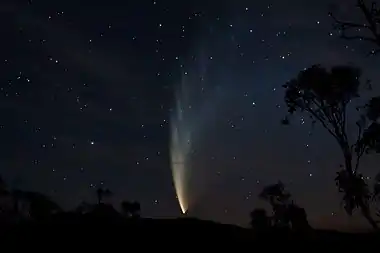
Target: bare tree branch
column 372, row 19
column 345, row 24
column 360, row 147
column 312, row 112
column 357, row 37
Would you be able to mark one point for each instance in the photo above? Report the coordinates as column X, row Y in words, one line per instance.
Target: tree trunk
column 348, row 162
column 367, row 215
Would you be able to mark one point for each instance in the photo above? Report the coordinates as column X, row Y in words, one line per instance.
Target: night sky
column 87, row 89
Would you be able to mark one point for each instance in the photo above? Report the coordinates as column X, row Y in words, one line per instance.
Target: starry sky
column 87, row 89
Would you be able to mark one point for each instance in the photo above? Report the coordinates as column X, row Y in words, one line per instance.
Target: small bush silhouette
column 286, row 214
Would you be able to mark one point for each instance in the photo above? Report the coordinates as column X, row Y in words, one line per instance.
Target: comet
column 195, row 106
column 180, row 147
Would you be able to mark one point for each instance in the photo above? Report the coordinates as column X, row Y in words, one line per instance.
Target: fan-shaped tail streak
column 179, row 151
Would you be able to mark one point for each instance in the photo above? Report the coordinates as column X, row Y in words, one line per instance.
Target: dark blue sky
column 87, row 87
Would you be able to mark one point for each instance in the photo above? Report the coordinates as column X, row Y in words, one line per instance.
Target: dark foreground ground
column 178, row 234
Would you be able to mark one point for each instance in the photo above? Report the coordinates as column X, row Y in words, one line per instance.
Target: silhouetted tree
column 131, row 209
column 101, row 193
column 370, row 141
column 260, row 221
column 325, row 96
column 275, row 194
column 376, row 193
column 278, row 198
column 298, row 218
column 40, row 205
column 286, row 214
column 368, row 31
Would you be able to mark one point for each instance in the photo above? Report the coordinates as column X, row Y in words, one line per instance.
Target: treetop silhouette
column 131, row 209
column 275, row 193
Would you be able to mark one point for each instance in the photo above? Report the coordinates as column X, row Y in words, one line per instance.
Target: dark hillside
column 189, row 232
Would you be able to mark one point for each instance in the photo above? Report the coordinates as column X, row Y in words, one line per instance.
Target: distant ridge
column 190, row 231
